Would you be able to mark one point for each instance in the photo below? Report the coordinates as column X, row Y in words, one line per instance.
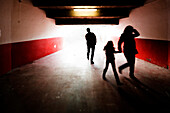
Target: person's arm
column 135, row 33
column 120, row 43
column 95, row 39
column 86, row 36
column 117, row 51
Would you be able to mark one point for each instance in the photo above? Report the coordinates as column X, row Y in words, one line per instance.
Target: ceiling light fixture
column 85, row 9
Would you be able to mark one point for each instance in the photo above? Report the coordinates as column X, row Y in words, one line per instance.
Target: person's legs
column 105, row 70
column 131, row 63
column 88, row 51
column 115, row 73
column 92, row 54
column 126, row 64
column 123, row 67
column 132, row 66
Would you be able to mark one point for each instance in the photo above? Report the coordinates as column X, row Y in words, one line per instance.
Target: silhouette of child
column 109, row 51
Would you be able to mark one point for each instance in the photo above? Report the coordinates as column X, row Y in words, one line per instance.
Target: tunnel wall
column 5, row 58
column 28, row 51
column 25, row 34
column 13, row 55
column 168, row 4
column 149, row 51
column 153, row 22
column 169, row 54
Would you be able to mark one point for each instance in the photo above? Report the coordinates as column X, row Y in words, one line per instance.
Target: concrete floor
column 66, row 82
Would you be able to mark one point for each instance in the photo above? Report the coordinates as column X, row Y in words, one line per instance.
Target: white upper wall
column 30, row 23
column 21, row 21
column 168, row 5
column 5, row 21
column 151, row 20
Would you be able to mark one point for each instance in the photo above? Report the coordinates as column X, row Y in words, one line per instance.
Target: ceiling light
column 85, row 9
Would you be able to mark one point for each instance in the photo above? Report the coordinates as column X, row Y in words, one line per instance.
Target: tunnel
column 43, row 56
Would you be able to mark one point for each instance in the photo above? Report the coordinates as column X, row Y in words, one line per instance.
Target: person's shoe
column 87, row 58
column 120, row 70
column 92, row 62
column 119, row 83
column 104, row 78
column 132, row 76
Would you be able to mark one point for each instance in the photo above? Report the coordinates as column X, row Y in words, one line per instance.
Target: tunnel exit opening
column 74, row 42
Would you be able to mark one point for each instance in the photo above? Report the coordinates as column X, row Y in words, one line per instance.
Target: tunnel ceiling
column 108, row 11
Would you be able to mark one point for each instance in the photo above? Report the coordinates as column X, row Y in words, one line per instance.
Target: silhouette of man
column 129, row 48
column 91, row 42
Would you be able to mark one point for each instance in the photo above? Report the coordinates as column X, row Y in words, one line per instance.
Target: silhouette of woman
column 109, row 51
column 129, row 48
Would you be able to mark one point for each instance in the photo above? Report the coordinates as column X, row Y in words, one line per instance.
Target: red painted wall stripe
column 26, row 52
column 17, row 54
column 5, row 58
column 154, row 51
